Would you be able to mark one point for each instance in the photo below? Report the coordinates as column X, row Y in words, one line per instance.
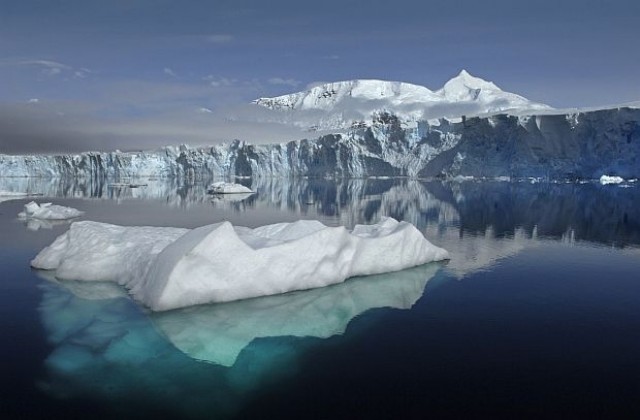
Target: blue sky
column 125, row 60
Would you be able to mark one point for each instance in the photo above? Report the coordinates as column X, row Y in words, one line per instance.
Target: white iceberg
column 168, row 268
column 48, row 211
column 606, row 179
column 228, row 188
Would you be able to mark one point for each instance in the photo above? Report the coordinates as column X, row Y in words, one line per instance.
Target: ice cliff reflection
column 582, row 212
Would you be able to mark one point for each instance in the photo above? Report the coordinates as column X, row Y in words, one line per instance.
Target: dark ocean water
column 536, row 314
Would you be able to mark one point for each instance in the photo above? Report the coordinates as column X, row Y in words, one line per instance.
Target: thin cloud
column 48, row 68
column 216, row 81
column 44, row 63
column 285, row 82
column 169, row 72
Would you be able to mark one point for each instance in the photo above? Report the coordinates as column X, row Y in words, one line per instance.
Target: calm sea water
column 535, row 315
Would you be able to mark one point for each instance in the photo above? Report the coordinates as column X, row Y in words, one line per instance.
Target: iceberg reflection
column 106, row 347
column 218, row 333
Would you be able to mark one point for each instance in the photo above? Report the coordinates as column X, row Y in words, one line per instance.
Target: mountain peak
column 465, row 87
column 340, row 104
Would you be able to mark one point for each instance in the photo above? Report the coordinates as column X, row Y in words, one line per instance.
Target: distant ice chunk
column 228, row 188
column 168, row 268
column 606, row 179
column 48, row 211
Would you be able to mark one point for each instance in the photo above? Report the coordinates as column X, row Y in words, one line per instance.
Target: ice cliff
column 548, row 145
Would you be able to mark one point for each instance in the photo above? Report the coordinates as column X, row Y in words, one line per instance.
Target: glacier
column 575, row 145
column 168, row 268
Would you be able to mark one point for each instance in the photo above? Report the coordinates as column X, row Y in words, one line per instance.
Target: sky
column 82, row 74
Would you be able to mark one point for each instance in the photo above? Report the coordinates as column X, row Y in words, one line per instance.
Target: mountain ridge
column 336, row 105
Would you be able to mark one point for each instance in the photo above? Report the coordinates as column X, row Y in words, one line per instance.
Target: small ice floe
column 168, row 268
column 463, row 178
column 606, row 179
column 48, row 211
column 228, row 188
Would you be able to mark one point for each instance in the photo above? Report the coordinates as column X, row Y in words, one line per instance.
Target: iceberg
column 48, row 211
column 607, row 179
column 169, row 268
column 228, row 188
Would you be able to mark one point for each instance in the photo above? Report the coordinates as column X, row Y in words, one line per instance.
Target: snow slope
column 167, row 268
column 344, row 104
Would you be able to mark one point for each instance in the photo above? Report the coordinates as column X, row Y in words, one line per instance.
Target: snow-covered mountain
column 344, row 104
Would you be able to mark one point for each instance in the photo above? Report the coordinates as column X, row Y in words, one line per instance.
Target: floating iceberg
column 606, row 179
column 48, row 211
column 168, row 268
column 228, row 188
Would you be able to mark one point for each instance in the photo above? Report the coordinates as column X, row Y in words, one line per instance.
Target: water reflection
column 107, row 350
column 582, row 212
column 208, row 358
column 97, row 332
column 218, row 333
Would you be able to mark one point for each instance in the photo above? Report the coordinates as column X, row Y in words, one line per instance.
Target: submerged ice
column 96, row 333
column 219, row 333
column 168, row 268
